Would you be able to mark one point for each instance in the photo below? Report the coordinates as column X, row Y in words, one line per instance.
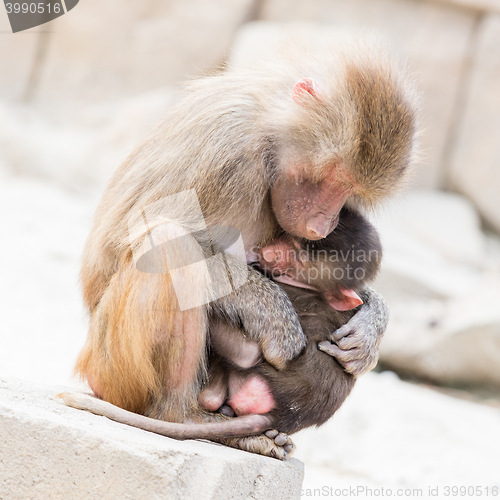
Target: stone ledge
column 49, row 451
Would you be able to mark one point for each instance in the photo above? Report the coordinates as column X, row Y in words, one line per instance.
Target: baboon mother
column 278, row 149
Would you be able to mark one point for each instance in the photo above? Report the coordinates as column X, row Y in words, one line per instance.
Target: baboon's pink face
column 307, row 209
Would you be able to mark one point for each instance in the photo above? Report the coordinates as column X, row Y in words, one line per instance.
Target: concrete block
column 49, row 451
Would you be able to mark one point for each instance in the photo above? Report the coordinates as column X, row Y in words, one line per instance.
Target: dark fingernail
column 227, row 410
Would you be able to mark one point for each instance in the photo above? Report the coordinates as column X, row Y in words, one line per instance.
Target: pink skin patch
column 253, row 397
column 94, row 388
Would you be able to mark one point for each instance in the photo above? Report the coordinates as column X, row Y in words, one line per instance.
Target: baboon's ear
column 345, row 300
column 305, row 88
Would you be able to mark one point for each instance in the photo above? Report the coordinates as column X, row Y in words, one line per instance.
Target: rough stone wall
column 114, row 50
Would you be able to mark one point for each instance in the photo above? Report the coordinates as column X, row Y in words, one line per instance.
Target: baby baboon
column 322, row 280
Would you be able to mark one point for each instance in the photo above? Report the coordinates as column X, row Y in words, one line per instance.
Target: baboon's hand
column 356, row 344
column 264, row 312
column 281, row 335
column 271, row 320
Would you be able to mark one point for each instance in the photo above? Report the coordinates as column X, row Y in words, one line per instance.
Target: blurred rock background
column 78, row 93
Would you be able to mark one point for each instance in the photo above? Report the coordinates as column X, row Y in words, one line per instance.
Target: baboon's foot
column 271, row 444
